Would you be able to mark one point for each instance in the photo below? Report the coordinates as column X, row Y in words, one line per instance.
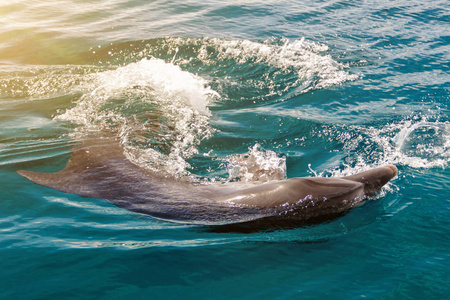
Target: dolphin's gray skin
column 99, row 169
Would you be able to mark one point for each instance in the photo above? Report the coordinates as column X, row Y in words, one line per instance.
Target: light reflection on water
column 337, row 86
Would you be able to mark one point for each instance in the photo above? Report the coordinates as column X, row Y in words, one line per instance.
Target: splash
column 423, row 144
column 257, row 165
column 415, row 143
column 159, row 111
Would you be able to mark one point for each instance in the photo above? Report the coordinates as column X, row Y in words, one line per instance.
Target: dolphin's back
column 99, row 169
column 295, row 191
column 91, row 168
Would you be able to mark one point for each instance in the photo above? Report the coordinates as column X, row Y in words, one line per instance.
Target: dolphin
column 99, row 169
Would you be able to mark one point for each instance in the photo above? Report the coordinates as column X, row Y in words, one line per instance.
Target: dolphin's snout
column 374, row 179
column 394, row 170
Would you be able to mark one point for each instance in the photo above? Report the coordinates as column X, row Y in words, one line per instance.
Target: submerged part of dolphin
column 99, row 169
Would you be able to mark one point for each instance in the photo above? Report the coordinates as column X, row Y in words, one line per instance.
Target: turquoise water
column 317, row 88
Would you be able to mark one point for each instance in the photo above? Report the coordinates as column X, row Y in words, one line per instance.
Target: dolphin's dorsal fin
column 90, row 164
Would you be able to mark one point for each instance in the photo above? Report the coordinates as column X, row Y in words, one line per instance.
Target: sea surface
column 223, row 91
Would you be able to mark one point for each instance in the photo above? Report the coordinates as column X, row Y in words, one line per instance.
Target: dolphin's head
column 374, row 179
